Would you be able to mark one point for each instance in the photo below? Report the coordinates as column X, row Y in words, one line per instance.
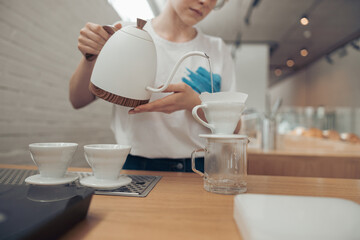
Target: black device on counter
column 41, row 212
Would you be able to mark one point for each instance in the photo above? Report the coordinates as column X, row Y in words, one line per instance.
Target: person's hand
column 182, row 98
column 201, row 81
column 93, row 37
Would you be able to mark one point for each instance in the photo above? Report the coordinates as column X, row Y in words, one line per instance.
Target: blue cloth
column 201, row 80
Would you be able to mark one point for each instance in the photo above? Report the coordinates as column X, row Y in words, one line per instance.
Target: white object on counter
column 268, row 217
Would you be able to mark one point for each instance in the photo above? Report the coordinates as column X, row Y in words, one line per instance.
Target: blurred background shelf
column 307, row 157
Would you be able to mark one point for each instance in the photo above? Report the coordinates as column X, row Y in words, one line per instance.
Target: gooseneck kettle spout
column 189, row 54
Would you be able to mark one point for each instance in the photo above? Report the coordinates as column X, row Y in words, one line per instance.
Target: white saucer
column 39, row 180
column 105, row 184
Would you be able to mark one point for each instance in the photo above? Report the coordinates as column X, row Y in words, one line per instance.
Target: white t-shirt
column 175, row 135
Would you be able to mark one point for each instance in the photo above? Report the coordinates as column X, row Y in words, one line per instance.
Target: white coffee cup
column 106, row 160
column 52, row 159
column 222, row 116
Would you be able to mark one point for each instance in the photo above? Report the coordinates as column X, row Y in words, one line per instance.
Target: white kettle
column 125, row 70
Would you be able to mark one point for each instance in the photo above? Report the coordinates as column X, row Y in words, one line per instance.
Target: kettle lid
column 138, row 30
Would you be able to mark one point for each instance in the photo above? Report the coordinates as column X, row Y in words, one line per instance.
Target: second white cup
column 106, row 160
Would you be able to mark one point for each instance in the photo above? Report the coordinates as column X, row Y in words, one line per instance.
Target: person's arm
column 79, row 92
column 183, row 98
column 91, row 40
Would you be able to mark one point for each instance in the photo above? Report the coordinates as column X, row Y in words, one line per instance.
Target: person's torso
column 175, row 135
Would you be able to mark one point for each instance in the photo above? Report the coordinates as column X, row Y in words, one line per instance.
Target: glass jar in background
column 251, row 127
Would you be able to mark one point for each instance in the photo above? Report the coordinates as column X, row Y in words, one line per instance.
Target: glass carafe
column 225, row 163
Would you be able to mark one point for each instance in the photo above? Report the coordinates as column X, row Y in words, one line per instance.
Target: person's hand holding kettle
column 91, row 40
column 93, row 37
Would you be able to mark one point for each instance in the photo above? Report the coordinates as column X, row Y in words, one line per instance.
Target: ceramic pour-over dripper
column 125, row 69
column 222, row 110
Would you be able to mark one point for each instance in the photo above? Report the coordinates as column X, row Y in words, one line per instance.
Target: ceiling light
column 304, row 52
column 290, row 63
column 277, row 72
column 131, row 10
column 304, row 20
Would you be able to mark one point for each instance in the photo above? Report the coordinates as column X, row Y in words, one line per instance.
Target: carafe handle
column 193, row 156
column 166, row 84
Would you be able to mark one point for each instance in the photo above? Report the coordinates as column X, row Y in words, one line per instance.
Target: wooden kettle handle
column 110, row 30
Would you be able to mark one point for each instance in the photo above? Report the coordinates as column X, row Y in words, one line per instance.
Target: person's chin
column 193, row 20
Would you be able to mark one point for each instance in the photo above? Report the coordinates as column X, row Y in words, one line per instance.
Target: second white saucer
column 105, row 184
column 39, row 180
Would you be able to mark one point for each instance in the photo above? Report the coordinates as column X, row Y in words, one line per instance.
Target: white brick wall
column 38, row 55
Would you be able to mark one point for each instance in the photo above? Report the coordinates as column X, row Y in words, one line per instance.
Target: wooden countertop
column 179, row 208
